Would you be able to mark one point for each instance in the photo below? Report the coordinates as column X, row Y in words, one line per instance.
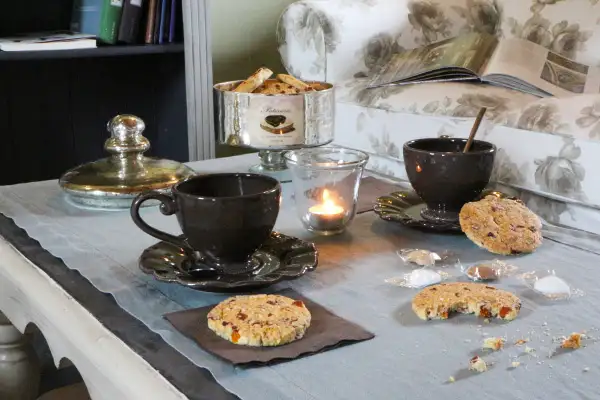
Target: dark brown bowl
column 446, row 178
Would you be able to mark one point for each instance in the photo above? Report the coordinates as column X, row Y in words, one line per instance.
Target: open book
column 56, row 40
column 513, row 63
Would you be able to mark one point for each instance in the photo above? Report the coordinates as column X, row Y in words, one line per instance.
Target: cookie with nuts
column 260, row 320
column 440, row 301
column 501, row 225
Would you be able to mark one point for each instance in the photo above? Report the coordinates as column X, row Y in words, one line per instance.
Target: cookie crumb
column 572, row 342
column 477, row 364
column 493, row 343
column 529, row 350
column 515, row 364
column 451, row 380
column 486, row 321
column 521, row 342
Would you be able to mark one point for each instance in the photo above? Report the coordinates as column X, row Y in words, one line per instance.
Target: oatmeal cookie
column 501, row 226
column 260, row 320
column 437, row 302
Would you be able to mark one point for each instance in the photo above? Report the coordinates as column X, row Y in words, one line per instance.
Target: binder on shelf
column 130, row 21
column 149, row 39
column 86, row 16
column 163, row 16
column 110, row 21
column 172, row 21
column 157, row 21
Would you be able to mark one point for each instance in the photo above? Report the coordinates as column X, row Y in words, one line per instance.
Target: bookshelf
column 55, row 104
column 101, row 51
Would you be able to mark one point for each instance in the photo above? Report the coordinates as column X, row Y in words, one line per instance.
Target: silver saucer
column 406, row 208
column 281, row 258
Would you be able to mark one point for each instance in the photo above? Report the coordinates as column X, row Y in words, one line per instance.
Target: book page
column 542, row 68
column 468, row 52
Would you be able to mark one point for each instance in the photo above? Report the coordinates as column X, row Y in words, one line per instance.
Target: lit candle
column 326, row 217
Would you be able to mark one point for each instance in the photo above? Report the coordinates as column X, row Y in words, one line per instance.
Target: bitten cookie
column 260, row 320
column 501, row 226
column 439, row 301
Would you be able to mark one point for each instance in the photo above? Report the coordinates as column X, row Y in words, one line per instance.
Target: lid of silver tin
column 114, row 181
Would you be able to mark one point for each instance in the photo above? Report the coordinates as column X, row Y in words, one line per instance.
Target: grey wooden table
column 124, row 348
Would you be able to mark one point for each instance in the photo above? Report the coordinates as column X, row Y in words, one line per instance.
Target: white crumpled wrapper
column 426, row 258
column 419, row 278
column 486, row 271
column 549, row 285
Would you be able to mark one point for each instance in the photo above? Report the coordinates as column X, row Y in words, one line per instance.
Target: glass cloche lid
column 114, row 181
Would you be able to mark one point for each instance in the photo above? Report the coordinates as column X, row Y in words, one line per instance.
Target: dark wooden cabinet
column 54, row 105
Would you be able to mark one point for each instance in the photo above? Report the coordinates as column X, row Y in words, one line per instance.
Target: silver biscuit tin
column 274, row 122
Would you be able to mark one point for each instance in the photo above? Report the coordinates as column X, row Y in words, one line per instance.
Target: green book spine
column 110, row 20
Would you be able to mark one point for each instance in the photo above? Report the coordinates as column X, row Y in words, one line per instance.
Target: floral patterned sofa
column 548, row 148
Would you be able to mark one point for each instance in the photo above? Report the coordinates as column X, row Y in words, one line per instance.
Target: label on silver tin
column 274, row 121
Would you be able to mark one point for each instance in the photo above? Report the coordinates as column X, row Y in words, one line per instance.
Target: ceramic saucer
column 405, row 207
column 280, row 258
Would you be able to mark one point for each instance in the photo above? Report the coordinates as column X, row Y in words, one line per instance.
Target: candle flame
column 326, row 199
column 328, row 205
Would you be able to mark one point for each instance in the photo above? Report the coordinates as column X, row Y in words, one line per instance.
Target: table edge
column 195, row 382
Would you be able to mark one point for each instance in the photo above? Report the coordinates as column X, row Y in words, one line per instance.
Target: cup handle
column 167, row 207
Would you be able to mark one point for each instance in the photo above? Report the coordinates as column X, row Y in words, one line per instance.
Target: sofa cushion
column 334, row 40
column 553, row 172
column 442, row 99
column 575, row 116
column 567, row 27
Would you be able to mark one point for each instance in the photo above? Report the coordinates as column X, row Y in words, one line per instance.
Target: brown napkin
column 370, row 189
column 327, row 331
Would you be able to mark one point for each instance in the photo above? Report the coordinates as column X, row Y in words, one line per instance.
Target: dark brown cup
column 446, row 178
column 224, row 217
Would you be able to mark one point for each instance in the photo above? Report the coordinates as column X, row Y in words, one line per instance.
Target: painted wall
column 243, row 34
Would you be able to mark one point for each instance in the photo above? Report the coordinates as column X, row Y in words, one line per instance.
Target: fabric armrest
column 336, row 39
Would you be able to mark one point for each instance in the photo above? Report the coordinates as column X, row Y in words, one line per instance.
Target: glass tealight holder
column 326, row 182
